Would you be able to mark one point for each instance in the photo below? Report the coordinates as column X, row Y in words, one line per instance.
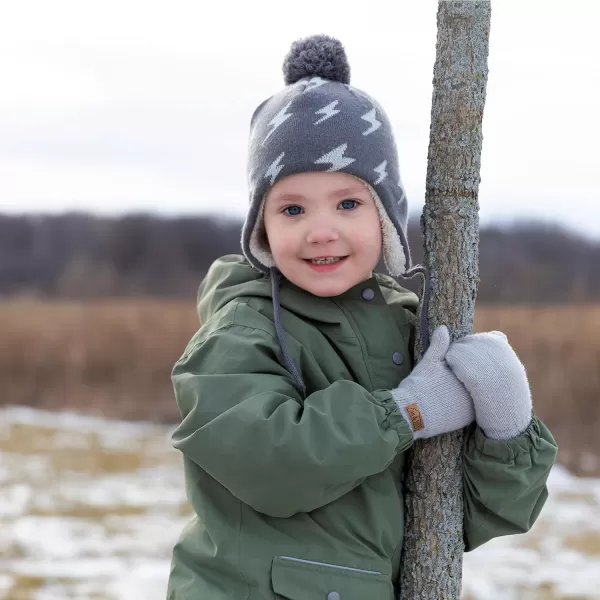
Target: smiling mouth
column 325, row 260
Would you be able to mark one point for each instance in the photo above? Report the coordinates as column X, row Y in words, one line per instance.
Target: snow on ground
column 90, row 510
column 558, row 559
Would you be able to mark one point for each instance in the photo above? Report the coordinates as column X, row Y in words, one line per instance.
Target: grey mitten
column 497, row 381
column 431, row 398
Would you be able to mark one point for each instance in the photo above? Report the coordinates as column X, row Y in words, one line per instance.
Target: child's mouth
column 325, row 263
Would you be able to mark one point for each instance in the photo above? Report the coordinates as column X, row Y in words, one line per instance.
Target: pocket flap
column 297, row 579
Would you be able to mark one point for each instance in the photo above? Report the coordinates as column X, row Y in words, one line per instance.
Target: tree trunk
column 433, row 544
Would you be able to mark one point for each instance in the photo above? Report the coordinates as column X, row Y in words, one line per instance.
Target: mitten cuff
column 434, row 411
column 411, row 411
column 514, row 426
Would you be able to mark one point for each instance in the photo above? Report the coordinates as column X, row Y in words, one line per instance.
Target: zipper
column 322, row 564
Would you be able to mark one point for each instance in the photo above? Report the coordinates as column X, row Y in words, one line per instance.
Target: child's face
column 323, row 215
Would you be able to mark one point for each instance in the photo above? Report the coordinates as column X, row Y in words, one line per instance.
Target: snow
column 553, row 559
column 90, row 508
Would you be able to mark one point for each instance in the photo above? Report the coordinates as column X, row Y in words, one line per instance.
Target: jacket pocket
column 298, row 579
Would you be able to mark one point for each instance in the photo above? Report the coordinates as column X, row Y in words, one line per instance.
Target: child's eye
column 349, row 204
column 292, row 211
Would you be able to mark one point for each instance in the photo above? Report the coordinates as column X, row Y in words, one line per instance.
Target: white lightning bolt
column 371, row 117
column 315, row 82
column 380, row 170
column 336, row 158
column 277, row 120
column 327, row 112
column 274, row 168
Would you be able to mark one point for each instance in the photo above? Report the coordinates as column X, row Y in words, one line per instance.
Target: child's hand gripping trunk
column 432, row 399
column 497, row 381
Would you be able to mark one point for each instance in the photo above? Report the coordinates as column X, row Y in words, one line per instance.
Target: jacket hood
column 228, row 278
column 232, row 276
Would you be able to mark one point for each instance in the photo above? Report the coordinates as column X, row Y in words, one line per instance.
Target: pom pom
column 316, row 56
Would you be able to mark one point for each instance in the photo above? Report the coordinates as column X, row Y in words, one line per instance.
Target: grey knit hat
column 319, row 122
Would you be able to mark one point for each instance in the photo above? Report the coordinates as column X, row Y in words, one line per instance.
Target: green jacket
column 301, row 497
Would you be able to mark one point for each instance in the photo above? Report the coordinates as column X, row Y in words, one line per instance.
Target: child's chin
column 323, row 285
column 326, row 289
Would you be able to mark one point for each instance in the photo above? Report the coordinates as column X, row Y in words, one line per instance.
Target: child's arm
column 509, row 454
column 504, row 482
column 246, row 425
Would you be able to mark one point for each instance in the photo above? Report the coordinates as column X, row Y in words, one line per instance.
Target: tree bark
column 433, row 544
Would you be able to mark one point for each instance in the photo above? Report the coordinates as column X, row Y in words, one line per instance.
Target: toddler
column 299, row 395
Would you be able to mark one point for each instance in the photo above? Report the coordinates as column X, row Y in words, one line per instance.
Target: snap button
column 333, row 596
column 397, row 358
column 367, row 294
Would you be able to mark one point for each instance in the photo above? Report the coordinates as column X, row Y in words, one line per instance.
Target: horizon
column 506, row 225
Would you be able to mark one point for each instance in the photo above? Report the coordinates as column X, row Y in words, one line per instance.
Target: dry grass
column 106, row 358
column 114, row 358
column 560, row 347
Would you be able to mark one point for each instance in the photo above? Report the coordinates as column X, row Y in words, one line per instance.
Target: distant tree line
column 81, row 255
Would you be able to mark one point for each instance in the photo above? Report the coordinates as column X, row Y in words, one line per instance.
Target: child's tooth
column 324, row 261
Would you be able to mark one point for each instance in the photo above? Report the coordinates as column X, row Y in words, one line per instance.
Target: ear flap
column 393, row 250
column 258, row 240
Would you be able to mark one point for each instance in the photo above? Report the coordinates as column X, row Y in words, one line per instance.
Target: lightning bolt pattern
column 371, row 117
column 315, row 82
column 274, row 168
column 380, row 170
column 327, row 112
column 281, row 117
column 336, row 158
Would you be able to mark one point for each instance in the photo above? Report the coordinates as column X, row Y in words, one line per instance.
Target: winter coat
column 299, row 496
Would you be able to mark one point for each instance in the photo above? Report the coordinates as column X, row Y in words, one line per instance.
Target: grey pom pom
column 317, row 55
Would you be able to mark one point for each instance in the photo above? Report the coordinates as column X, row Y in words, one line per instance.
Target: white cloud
column 117, row 106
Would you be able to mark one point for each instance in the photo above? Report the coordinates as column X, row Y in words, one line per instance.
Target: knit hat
column 319, row 122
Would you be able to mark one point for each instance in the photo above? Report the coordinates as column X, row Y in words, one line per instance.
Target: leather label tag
column 415, row 416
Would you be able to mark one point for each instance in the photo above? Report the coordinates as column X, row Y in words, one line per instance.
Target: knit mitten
column 431, row 398
column 497, row 381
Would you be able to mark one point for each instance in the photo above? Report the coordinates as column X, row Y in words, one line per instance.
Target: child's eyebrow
column 288, row 198
column 349, row 191
column 341, row 193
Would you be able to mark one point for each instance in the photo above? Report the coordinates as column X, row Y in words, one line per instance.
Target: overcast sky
column 124, row 105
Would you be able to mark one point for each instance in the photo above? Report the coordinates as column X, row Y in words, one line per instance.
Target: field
column 113, row 359
column 90, row 509
column 91, row 491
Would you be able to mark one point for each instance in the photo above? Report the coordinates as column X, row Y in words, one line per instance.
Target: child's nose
column 321, row 235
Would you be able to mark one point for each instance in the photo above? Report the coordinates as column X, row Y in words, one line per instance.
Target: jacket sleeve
column 246, row 425
column 504, row 482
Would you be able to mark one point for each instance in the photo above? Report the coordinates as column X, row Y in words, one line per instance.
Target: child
column 298, row 395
